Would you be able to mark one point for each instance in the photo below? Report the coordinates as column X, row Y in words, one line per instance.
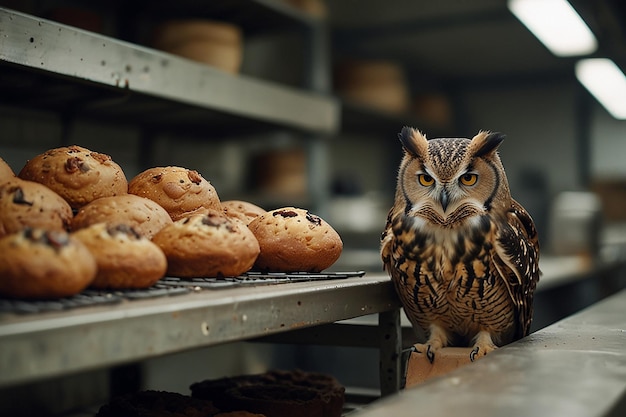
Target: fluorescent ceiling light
column 556, row 24
column 606, row 82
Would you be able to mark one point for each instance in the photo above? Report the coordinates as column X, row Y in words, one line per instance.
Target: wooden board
column 419, row 368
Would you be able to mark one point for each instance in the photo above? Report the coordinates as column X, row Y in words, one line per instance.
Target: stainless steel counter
column 575, row 367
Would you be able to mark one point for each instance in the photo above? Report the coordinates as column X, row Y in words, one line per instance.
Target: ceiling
column 464, row 39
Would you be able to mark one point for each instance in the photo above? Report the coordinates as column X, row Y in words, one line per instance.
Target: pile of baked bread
column 70, row 219
column 275, row 393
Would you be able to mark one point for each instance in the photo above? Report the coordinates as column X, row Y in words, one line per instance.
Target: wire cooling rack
column 259, row 278
column 166, row 287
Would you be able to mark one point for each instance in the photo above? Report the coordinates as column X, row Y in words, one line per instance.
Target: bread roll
column 207, row 245
column 180, row 191
column 41, row 264
column 242, row 210
column 6, row 172
column 145, row 216
column 76, row 174
column 30, row 204
column 125, row 259
column 292, row 239
column 218, row 44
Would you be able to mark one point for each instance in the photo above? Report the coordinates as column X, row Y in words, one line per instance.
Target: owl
column 462, row 254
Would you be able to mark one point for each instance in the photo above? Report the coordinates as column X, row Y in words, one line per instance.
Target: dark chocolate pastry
column 276, row 394
column 157, row 404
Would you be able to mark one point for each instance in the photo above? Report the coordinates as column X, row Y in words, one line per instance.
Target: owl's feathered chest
column 444, row 275
column 439, row 250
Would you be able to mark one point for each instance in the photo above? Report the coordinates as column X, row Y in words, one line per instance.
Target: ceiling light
column 606, row 82
column 556, row 24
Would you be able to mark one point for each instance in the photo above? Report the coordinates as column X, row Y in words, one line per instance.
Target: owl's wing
column 385, row 244
column 517, row 260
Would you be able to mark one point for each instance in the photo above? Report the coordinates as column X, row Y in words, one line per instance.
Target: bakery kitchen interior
column 296, row 103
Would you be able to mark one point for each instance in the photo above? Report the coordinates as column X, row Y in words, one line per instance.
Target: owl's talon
column 473, row 353
column 426, row 350
column 430, row 355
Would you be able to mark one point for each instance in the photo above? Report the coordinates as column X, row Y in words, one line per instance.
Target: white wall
column 608, row 147
column 539, row 121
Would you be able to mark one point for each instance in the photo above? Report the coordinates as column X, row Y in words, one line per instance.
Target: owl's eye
column 469, row 179
column 425, row 180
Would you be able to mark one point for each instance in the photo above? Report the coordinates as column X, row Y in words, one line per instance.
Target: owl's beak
column 444, row 199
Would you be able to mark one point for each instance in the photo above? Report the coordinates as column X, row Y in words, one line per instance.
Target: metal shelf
column 41, row 345
column 80, row 74
column 48, row 65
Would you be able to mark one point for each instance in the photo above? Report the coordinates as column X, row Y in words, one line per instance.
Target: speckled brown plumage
column 463, row 255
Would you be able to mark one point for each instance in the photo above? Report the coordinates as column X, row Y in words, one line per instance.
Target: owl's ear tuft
column 486, row 143
column 413, row 141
